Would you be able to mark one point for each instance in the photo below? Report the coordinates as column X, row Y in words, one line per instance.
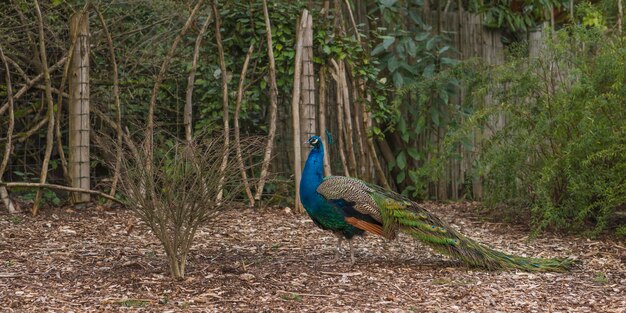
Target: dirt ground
column 272, row 260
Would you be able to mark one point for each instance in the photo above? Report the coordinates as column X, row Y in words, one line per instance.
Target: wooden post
column 307, row 108
column 295, row 109
column 535, row 42
column 79, row 107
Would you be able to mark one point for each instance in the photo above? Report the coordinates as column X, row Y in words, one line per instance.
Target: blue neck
column 312, row 177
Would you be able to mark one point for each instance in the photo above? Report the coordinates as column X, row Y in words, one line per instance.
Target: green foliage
column 600, row 278
column 590, row 16
column 134, row 303
column 417, row 59
column 292, row 297
column 562, row 151
column 516, row 15
column 621, row 232
column 14, row 219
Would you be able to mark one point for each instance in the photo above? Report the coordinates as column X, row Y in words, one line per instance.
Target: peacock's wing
column 362, row 204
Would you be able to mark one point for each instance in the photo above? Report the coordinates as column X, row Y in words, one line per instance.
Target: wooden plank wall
column 472, row 40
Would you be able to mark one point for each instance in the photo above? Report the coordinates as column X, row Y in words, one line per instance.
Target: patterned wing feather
column 350, row 190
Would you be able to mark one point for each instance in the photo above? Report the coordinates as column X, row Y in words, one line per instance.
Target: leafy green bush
column 562, row 150
column 416, row 100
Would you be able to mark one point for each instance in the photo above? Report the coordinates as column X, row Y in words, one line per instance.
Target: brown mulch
column 272, row 260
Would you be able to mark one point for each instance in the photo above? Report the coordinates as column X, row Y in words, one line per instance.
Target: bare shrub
column 175, row 190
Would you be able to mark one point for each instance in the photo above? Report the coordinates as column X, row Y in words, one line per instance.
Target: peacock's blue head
column 315, row 142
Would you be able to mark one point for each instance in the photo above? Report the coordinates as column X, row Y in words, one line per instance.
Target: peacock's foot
column 338, row 248
column 352, row 260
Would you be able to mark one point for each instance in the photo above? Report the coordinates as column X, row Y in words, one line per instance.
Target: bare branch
column 31, row 83
column 240, row 92
column 118, row 128
column 50, row 133
column 356, row 30
column 159, row 78
column 188, row 111
column 273, row 105
column 118, row 106
column 4, row 195
column 58, row 187
column 226, row 130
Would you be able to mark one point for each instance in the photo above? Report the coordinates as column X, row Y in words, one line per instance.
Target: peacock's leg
column 338, row 250
column 351, row 252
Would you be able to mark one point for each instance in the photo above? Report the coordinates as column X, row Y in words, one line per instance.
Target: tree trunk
column 361, row 131
column 343, row 90
column 382, row 179
column 295, row 107
column 322, row 120
column 340, row 120
column 307, row 109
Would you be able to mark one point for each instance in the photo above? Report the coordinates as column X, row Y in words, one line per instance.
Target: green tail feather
column 429, row 229
column 479, row 255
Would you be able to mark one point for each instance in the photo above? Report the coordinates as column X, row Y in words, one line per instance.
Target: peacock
column 350, row 207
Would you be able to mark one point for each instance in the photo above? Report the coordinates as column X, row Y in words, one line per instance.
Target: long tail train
column 429, row 229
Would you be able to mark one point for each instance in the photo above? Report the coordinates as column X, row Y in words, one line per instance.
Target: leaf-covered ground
column 271, row 260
